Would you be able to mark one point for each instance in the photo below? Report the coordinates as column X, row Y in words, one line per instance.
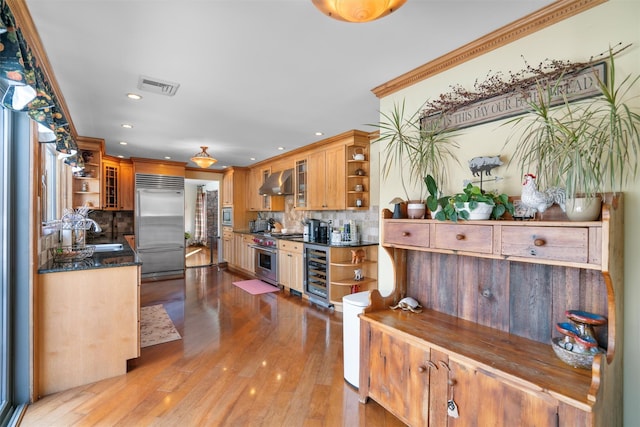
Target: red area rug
column 255, row 287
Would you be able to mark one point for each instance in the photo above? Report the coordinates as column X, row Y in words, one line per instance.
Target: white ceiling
column 254, row 75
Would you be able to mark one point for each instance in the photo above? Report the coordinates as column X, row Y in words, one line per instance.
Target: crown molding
column 529, row 24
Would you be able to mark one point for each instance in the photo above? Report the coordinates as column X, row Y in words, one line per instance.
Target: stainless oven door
column 266, row 264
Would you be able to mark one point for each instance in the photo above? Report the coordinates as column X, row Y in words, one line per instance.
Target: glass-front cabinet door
column 301, row 184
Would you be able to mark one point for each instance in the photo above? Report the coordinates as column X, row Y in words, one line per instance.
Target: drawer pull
column 539, row 242
column 422, row 369
column 431, row 364
column 459, row 236
column 406, row 234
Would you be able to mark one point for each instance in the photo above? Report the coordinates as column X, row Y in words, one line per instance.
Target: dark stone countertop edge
column 124, row 258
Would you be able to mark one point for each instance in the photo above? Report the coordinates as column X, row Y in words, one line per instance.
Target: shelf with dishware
column 351, row 269
column 85, row 186
column 357, row 177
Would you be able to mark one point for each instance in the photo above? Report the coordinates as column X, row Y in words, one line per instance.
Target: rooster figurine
column 539, row 200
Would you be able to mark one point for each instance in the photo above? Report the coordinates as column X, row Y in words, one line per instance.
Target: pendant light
column 357, row 10
column 203, row 159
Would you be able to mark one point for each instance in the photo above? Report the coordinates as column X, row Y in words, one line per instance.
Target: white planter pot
column 583, row 208
column 416, row 210
column 481, row 212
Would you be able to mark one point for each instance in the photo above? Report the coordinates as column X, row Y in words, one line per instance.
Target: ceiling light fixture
column 357, row 10
column 134, row 96
column 127, row 126
column 203, row 159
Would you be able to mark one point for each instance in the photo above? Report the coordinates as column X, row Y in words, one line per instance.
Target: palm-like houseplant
column 588, row 146
column 420, row 150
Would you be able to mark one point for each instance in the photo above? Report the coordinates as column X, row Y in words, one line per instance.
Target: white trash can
column 352, row 305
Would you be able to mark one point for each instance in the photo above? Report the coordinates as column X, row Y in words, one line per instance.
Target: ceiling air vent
column 158, row 86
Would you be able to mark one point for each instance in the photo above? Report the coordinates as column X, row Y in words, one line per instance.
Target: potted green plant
column 475, row 204
column 435, row 200
column 421, row 150
column 588, row 146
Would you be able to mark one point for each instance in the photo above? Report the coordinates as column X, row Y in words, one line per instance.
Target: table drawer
column 406, row 234
column 460, row 237
column 556, row 243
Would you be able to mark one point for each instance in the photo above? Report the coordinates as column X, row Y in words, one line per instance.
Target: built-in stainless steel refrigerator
column 159, row 224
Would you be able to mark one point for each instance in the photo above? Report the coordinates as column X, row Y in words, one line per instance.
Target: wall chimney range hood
column 278, row 184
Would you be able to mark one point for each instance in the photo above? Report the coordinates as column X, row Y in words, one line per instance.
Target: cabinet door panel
column 387, row 374
column 483, row 400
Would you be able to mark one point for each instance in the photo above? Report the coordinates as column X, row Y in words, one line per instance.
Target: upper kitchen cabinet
column 334, row 174
column 327, row 179
column 85, row 189
column 235, row 182
column 258, row 202
column 117, row 184
column 127, row 184
column 300, row 191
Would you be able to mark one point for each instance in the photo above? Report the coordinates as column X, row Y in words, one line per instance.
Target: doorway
column 201, row 223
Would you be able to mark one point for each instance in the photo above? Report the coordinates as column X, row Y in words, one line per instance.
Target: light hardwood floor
column 244, row 360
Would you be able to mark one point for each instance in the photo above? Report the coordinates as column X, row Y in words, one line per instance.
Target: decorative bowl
column 577, row 360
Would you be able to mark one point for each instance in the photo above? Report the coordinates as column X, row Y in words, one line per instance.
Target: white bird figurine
column 538, row 200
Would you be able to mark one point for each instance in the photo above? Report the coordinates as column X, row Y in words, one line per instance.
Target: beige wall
column 577, row 39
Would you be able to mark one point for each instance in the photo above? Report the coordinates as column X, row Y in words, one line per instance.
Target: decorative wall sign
column 573, row 87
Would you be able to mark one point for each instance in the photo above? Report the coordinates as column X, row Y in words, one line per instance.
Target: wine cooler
column 316, row 276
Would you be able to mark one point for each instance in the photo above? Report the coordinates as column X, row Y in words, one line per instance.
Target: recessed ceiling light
column 167, row 157
column 319, row 133
column 252, row 158
column 280, row 148
column 121, row 156
column 123, row 143
column 134, row 96
column 127, row 126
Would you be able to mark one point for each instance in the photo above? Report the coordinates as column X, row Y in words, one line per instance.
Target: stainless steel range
column 266, row 258
column 266, row 255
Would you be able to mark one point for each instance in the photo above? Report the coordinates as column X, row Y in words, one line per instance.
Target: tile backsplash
column 367, row 221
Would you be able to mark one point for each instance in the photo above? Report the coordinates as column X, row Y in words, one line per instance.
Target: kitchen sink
column 108, row 247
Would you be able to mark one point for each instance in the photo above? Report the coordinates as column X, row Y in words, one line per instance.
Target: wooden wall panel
column 530, row 301
column 492, row 292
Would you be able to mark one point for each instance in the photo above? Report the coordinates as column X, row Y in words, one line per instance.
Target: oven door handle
column 262, row 248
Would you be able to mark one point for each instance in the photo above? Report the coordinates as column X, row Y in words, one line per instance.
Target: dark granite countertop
column 126, row 257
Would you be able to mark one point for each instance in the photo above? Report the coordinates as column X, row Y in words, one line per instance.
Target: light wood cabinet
column 117, row 184
column 244, row 258
column 126, row 195
column 86, row 185
column 235, row 182
column 327, row 179
column 88, row 326
column 228, row 246
column 492, row 292
column 110, row 184
column 248, row 255
column 291, row 265
column 301, row 180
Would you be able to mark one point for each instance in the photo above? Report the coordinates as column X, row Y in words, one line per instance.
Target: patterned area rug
column 156, row 326
column 255, row 287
